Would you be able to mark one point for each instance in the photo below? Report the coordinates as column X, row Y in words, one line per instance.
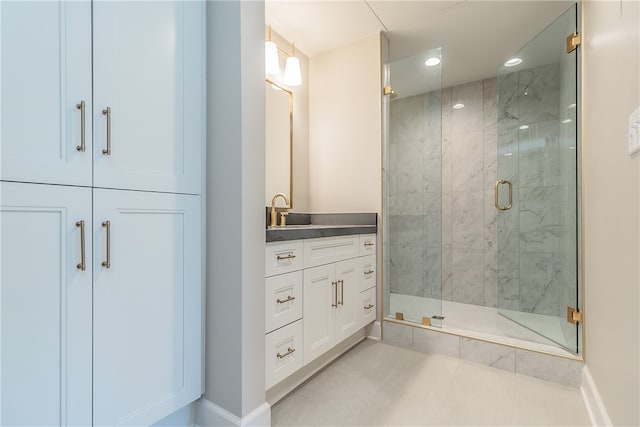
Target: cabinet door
column 347, row 313
column 147, row 305
column 320, row 299
column 45, row 310
column 46, row 73
column 148, row 70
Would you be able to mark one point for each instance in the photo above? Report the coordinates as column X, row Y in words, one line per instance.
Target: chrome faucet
column 273, row 217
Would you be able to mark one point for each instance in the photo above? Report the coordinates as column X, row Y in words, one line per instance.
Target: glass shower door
column 412, row 188
column 536, row 193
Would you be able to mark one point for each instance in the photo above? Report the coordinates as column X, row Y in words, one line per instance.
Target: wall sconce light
column 292, row 75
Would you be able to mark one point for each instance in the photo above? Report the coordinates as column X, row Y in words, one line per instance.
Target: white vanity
column 319, row 292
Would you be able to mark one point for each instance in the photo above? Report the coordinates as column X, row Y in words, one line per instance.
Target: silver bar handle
column 369, row 244
column 290, row 256
column 107, row 263
column 83, row 143
column 83, row 261
column 341, row 282
column 107, row 112
column 282, row 301
column 335, row 294
column 497, row 203
column 289, row 351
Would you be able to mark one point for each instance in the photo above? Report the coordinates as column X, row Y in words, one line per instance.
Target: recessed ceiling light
column 508, row 154
column 513, row 62
column 458, row 106
column 524, row 127
column 432, row 62
column 567, row 121
column 572, row 148
column 572, row 106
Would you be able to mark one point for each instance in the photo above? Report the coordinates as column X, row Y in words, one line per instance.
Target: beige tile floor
column 376, row 384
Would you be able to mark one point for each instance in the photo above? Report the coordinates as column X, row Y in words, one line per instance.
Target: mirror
column 279, row 141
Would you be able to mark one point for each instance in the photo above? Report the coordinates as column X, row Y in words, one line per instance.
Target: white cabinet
column 368, row 272
column 283, row 257
column 147, row 328
column 147, row 73
column 347, row 291
column 283, row 353
column 319, row 310
column 45, row 305
column 120, row 342
column 283, row 300
column 135, row 343
column 329, row 249
column 310, row 310
column 367, row 307
column 330, row 306
column 367, row 244
column 46, row 73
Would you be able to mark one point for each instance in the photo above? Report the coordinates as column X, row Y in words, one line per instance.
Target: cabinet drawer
column 367, row 307
column 283, row 257
column 367, row 244
column 283, row 300
column 283, row 353
column 327, row 250
column 367, row 271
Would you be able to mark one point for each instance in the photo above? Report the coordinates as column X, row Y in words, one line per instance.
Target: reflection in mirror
column 279, row 142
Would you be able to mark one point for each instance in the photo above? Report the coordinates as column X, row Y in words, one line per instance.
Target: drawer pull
column 369, row 272
column 289, row 351
column 369, row 244
column 290, row 256
column 289, row 298
column 341, row 282
column 367, row 307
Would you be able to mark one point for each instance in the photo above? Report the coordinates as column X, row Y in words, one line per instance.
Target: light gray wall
column 235, row 212
column 611, row 205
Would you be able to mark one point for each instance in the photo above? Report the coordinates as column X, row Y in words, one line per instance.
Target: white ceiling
column 476, row 36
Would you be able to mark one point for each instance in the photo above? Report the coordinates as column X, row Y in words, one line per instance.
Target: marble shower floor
column 482, row 322
column 376, row 384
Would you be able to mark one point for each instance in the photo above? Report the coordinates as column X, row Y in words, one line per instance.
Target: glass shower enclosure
column 480, row 192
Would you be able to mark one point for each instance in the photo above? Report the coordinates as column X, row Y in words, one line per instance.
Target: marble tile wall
column 469, row 153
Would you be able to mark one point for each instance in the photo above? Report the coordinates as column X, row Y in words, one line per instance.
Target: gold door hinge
column 399, row 315
column 574, row 315
column 573, row 41
column 388, row 90
column 426, row 321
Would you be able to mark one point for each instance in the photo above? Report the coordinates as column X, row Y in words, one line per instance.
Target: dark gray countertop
column 312, row 226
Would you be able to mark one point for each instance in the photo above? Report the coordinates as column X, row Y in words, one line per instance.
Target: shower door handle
column 497, row 202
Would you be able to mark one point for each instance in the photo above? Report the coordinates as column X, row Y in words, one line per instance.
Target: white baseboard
column 592, row 400
column 374, row 331
column 208, row 414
